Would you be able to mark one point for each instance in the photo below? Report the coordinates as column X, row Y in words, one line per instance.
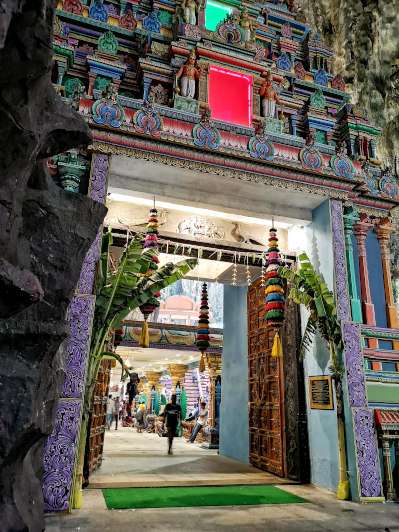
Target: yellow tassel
column 144, row 340
column 202, row 364
column 277, row 350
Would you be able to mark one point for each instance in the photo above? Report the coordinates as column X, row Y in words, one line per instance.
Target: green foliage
column 183, row 403
column 123, row 289
column 157, row 401
column 310, row 289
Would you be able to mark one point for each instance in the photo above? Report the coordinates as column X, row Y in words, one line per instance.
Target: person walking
column 140, row 417
column 110, row 411
column 131, row 388
column 172, row 419
column 202, row 418
column 116, row 412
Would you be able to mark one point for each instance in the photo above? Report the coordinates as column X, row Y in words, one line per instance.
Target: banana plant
column 308, row 288
column 124, row 289
column 119, row 290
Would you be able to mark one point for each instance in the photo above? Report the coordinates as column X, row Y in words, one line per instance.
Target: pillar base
column 368, row 313
column 212, row 438
column 356, row 310
column 392, row 318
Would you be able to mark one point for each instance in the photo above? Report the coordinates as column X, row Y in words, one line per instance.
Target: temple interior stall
column 230, row 114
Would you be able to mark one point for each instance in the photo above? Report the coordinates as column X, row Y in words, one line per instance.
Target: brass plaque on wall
column 320, row 393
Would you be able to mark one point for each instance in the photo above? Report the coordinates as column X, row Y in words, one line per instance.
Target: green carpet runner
column 121, row 498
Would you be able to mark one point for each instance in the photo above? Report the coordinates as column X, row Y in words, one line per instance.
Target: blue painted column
column 350, row 218
column 234, row 423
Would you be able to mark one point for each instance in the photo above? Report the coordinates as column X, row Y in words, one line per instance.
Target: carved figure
column 78, row 93
column 240, row 235
column 197, row 226
column 247, row 26
column 270, row 98
column 188, row 74
column 190, row 10
column 159, row 93
column 110, row 93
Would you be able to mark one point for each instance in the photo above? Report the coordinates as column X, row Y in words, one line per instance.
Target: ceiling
column 142, row 360
column 192, row 188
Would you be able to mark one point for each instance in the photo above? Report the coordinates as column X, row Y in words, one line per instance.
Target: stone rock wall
column 364, row 37
column 45, row 234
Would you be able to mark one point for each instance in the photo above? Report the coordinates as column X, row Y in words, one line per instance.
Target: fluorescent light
column 196, row 210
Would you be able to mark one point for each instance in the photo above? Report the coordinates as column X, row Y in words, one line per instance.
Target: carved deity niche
column 201, row 14
column 256, row 86
column 159, row 93
column 203, row 82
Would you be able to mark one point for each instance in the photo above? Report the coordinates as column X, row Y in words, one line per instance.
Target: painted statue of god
column 247, row 26
column 190, row 9
column 189, row 74
column 270, row 99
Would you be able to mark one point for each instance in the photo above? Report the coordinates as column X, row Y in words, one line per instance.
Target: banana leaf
column 308, row 288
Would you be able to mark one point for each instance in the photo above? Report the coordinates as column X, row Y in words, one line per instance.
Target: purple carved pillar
column 366, row 453
column 60, row 448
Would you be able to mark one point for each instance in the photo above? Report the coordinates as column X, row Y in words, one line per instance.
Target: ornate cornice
column 169, row 160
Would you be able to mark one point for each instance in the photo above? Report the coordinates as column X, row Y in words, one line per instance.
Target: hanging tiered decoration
column 203, row 327
column 151, row 240
column 275, row 300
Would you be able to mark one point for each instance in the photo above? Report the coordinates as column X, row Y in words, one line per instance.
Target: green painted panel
column 215, row 12
column 383, row 393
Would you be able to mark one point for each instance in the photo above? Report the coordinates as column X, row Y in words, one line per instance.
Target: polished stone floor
column 140, row 460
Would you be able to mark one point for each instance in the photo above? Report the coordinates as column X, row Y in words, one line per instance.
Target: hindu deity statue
column 190, row 10
column 270, row 99
column 247, row 26
column 189, row 74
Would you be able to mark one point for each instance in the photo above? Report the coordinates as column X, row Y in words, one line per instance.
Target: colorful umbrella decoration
column 275, row 300
column 151, row 240
column 203, row 326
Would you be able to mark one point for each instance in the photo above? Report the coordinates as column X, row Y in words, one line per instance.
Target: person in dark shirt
column 131, row 387
column 172, row 415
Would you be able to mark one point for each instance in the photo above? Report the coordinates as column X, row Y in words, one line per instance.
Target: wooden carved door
column 266, row 412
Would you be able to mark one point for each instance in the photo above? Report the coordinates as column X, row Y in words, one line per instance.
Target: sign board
column 320, row 393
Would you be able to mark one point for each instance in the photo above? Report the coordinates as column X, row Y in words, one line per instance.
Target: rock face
column 364, row 38
column 45, row 234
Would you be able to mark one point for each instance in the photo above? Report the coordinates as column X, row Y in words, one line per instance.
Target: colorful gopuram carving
column 245, row 91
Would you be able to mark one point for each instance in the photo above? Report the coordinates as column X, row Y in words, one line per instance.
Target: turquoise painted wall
column 322, row 424
column 234, row 425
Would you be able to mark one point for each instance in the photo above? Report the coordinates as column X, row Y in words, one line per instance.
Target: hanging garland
column 275, row 300
column 151, row 240
column 203, row 326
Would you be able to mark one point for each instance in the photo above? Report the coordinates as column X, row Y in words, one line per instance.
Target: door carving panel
column 266, row 412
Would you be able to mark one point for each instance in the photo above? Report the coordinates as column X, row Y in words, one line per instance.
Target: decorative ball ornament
column 203, row 325
column 274, row 286
column 118, row 337
column 151, row 241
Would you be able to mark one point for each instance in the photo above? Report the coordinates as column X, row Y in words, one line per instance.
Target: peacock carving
column 240, row 235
